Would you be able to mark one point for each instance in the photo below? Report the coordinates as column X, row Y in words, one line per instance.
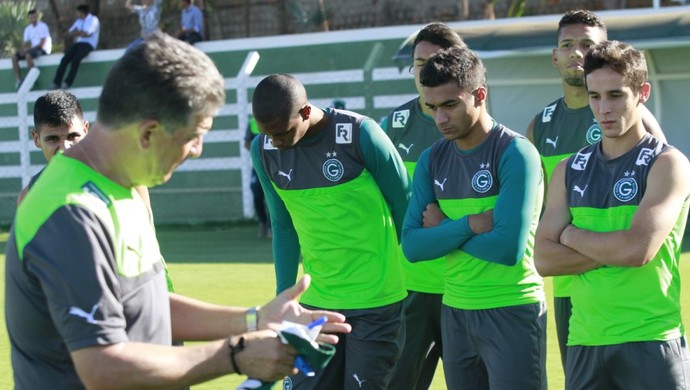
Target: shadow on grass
column 214, row 243
column 234, row 242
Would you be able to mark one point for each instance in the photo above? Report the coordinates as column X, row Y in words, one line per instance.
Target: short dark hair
column 32, row 12
column 56, row 108
column 458, row 64
column 622, row 59
column 83, row 8
column 584, row 17
column 163, row 79
column 439, row 34
column 278, row 96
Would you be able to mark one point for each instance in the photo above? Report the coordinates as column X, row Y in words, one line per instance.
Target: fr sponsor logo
column 644, row 157
column 547, row 114
column 268, row 144
column 580, row 161
column 399, row 119
column 343, row 133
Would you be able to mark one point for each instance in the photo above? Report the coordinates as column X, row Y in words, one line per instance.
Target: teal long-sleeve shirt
column 380, row 159
column 519, row 177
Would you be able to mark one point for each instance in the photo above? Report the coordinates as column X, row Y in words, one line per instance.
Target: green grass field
column 230, row 265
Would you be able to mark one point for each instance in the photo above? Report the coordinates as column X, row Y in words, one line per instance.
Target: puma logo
column 281, row 173
column 441, row 184
column 359, row 382
column 405, row 148
column 552, row 141
column 81, row 313
column 581, row 191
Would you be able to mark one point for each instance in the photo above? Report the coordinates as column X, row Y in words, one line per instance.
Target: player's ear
column 148, row 129
column 480, row 95
column 305, row 112
column 36, row 136
column 554, row 57
column 645, row 91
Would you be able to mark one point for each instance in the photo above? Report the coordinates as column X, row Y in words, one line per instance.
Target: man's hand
column 432, row 215
column 286, row 307
column 264, row 356
column 482, row 222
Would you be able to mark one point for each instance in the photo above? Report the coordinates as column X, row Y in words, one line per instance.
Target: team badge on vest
column 333, row 169
column 287, row 383
column 399, row 119
column 593, row 133
column 548, row 113
column 343, row 133
column 268, row 144
column 626, row 188
column 580, row 161
column 482, row 180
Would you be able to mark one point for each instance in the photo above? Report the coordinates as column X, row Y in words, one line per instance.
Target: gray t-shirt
column 83, row 268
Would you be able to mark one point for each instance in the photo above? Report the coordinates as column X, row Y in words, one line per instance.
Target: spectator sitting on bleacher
column 36, row 42
column 191, row 23
column 86, row 30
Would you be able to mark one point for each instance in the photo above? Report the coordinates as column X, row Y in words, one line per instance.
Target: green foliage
column 13, row 20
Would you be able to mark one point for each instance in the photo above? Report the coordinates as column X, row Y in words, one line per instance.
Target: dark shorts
column 630, row 366
column 364, row 358
column 417, row 364
column 34, row 52
column 502, row 348
column 563, row 308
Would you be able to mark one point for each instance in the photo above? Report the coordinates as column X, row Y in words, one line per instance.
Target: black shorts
column 34, row 52
column 365, row 357
column 637, row 365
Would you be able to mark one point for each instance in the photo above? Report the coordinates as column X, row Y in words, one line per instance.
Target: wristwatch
column 252, row 318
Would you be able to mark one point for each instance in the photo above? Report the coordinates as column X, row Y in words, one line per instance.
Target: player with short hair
column 476, row 200
column 85, row 292
column 411, row 128
column 337, row 192
column 58, row 124
column 568, row 124
column 614, row 219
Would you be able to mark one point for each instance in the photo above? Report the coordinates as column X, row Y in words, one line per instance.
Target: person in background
column 412, row 129
column 477, row 194
column 566, row 125
column 260, row 208
column 36, row 42
column 58, row 124
column 337, row 192
column 149, row 14
column 614, row 219
column 191, row 23
column 86, row 29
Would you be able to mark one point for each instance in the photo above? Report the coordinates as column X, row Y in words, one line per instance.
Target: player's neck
column 615, row 147
column 575, row 97
column 422, row 106
column 317, row 121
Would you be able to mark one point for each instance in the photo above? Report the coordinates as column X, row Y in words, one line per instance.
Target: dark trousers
column 72, row 56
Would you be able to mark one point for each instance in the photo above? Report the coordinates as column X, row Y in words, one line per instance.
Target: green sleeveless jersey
column 346, row 232
column 411, row 132
column 469, row 183
column 614, row 305
column 558, row 133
